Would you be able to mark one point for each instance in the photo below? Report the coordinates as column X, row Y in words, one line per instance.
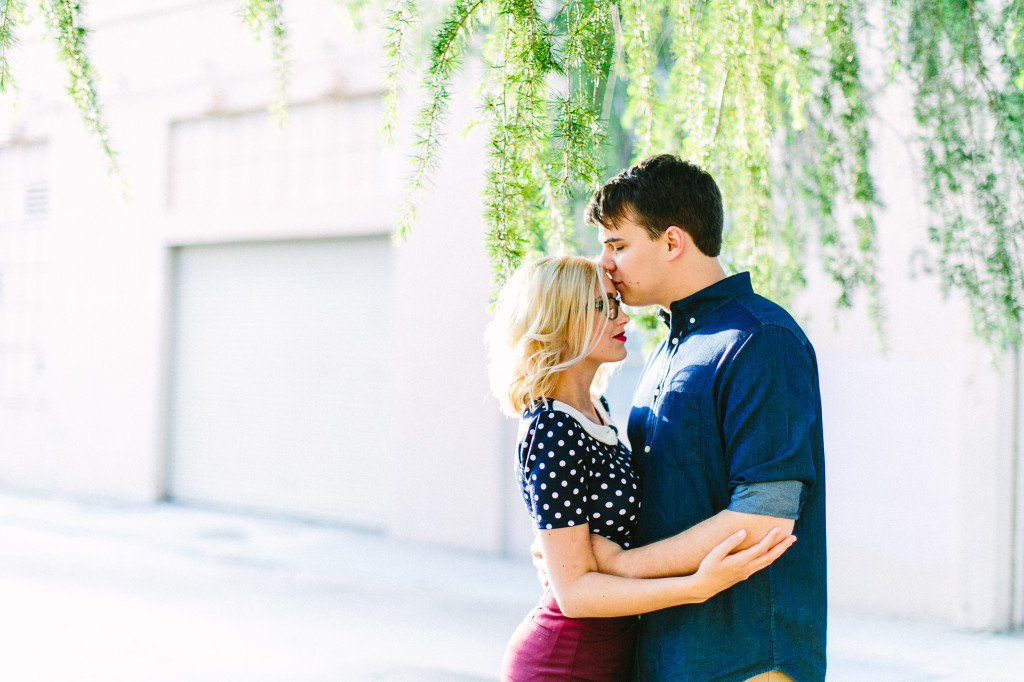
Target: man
column 725, row 430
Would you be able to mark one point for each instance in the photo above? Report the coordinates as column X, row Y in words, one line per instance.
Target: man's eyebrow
column 610, row 239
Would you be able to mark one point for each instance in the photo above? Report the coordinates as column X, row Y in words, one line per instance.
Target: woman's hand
column 720, row 569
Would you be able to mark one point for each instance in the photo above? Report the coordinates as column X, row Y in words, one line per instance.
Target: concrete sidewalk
column 155, row 593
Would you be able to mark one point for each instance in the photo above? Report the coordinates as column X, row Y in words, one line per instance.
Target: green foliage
column 744, row 88
column 967, row 62
column 400, row 21
column 446, row 53
column 12, row 13
column 265, row 19
column 64, row 25
column 769, row 96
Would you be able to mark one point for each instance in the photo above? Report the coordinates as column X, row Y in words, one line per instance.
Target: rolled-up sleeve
column 773, row 498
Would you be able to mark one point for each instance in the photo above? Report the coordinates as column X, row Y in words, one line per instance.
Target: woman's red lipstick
column 620, row 337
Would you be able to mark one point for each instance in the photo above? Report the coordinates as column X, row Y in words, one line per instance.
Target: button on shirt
column 727, row 414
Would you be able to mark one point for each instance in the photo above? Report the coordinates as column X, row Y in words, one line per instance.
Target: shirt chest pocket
column 676, row 433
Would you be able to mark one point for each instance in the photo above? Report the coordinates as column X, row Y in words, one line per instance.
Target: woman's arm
column 682, row 553
column 584, row 592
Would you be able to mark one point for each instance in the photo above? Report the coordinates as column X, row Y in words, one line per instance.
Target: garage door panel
column 279, row 350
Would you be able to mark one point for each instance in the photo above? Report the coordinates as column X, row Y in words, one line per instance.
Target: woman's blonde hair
column 543, row 324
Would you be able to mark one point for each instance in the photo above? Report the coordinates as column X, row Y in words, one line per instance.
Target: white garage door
column 280, row 378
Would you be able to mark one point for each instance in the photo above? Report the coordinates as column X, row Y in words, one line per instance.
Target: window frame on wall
column 24, row 215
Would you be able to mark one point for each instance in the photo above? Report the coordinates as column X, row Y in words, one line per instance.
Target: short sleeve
column 554, row 471
column 770, row 409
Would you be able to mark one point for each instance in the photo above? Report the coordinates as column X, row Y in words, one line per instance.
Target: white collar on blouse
column 604, row 433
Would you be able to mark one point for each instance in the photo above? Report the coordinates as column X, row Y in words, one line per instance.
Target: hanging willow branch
column 448, row 48
column 767, row 95
column 63, row 21
column 12, row 13
column 401, row 19
column 967, row 60
column 265, row 19
column 770, row 98
column 741, row 87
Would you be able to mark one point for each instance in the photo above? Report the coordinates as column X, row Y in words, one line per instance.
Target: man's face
column 633, row 262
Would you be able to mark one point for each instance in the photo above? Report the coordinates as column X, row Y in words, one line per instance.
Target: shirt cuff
column 782, row 499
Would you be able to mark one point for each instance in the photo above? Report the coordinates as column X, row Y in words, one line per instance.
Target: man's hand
column 538, row 561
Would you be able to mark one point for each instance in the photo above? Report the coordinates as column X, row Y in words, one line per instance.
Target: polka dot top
column 573, row 471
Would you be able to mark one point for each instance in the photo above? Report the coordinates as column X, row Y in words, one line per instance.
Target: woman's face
column 609, row 336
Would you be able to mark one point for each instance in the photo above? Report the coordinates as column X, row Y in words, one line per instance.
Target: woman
column 557, row 322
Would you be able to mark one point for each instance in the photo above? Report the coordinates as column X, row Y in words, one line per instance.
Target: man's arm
column 681, row 554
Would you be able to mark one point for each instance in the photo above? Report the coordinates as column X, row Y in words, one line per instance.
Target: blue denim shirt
column 727, row 414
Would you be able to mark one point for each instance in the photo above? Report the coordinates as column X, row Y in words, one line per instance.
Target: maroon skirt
column 548, row 646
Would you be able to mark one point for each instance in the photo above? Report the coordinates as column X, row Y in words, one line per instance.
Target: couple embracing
column 694, row 528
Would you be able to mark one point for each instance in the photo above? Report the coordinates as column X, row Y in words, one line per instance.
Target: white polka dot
column 546, row 506
column 597, row 515
column 543, row 486
column 558, row 515
column 554, row 495
column 618, row 493
column 541, row 465
column 552, row 474
column 572, row 523
column 608, row 505
column 549, row 526
column 561, row 442
column 561, row 463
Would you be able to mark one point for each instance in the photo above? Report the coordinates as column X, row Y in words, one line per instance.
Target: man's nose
column 606, row 261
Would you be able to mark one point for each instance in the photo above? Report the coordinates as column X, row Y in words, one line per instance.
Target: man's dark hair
column 658, row 192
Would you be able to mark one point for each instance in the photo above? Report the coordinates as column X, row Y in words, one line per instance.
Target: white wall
column 101, row 428
column 920, row 442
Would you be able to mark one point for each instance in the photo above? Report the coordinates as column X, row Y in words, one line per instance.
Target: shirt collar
column 606, row 433
column 688, row 313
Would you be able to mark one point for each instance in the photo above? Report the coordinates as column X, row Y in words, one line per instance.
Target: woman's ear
column 676, row 241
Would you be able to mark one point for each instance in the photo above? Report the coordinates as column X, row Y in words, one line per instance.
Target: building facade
column 244, row 334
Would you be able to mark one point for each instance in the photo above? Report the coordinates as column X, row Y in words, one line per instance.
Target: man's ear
column 676, row 240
